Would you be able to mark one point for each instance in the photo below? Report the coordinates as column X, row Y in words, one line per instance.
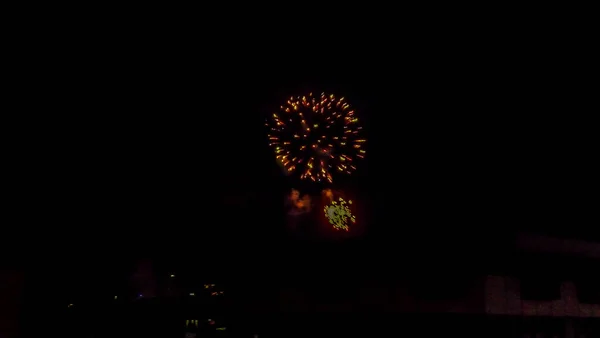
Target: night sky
column 138, row 153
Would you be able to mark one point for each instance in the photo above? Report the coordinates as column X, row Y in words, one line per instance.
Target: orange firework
column 316, row 137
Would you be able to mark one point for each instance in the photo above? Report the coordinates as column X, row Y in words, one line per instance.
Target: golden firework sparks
column 316, row 136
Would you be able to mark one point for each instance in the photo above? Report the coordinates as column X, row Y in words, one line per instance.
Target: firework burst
column 316, row 137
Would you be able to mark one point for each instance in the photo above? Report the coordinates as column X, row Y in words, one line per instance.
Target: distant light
column 115, row 297
column 140, row 295
column 70, row 305
column 221, row 328
column 192, row 294
column 172, row 276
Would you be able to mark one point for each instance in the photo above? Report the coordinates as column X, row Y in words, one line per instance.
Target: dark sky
column 134, row 154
